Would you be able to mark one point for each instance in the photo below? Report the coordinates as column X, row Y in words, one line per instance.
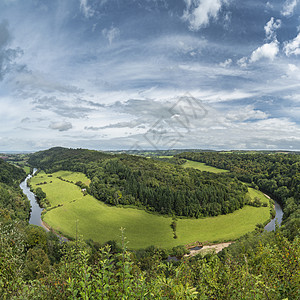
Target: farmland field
column 100, row 222
column 202, row 167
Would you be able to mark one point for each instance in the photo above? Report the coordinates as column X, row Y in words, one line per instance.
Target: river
column 36, row 210
column 278, row 217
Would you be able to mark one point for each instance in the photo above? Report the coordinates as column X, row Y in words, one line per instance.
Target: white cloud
column 271, row 27
column 292, row 67
column 293, row 46
column 268, row 50
column 293, row 72
column 269, row 5
column 246, row 113
column 199, row 12
column 243, row 62
column 288, row 7
column 60, row 126
column 226, row 63
column 111, row 33
column 86, row 9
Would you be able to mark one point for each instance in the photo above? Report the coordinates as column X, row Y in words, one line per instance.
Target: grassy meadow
column 202, row 167
column 100, row 222
column 255, row 193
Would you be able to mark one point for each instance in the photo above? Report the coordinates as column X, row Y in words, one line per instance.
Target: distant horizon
column 150, row 150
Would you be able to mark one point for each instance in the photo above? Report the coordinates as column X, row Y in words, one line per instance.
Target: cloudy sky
column 149, row 74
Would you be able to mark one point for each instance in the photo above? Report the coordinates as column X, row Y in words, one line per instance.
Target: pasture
column 202, row 167
column 100, row 222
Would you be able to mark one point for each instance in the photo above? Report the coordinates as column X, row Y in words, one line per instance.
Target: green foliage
column 174, row 226
column 13, row 204
column 10, row 174
column 154, row 185
column 12, row 254
column 263, row 265
column 37, row 264
column 179, row 251
column 36, row 237
column 40, row 194
column 275, row 174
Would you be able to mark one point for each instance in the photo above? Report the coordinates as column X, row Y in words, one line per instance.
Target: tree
column 37, row 264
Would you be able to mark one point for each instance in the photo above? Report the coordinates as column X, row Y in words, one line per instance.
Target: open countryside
column 71, row 210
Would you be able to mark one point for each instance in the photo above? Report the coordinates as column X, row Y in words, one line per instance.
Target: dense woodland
column 276, row 174
column 35, row 265
column 157, row 186
column 13, row 204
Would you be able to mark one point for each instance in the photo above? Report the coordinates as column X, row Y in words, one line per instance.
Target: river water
column 278, row 217
column 36, row 210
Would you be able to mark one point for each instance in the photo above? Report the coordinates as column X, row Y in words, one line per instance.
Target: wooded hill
column 13, row 204
column 157, row 186
column 276, row 174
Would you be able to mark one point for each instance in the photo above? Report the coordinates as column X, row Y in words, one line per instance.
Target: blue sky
column 142, row 74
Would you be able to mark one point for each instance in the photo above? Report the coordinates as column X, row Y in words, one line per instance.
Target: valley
column 71, row 212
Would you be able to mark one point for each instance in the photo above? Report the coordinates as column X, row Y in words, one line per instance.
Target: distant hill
column 10, row 174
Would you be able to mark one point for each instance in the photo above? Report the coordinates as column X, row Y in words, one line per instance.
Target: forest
column 276, row 174
column 13, row 204
column 34, row 264
column 157, row 186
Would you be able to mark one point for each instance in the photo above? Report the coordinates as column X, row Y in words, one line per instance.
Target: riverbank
column 209, row 248
column 49, row 228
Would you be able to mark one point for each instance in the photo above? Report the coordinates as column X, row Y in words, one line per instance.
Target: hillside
column 277, row 174
column 157, row 186
column 13, row 204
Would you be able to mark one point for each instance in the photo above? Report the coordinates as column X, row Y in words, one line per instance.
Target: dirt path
column 216, row 248
column 48, row 228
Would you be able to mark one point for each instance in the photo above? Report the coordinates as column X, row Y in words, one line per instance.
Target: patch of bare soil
column 214, row 248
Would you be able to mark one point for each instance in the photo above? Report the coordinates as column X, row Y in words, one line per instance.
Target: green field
column 255, row 193
column 100, row 222
column 202, row 167
column 26, row 169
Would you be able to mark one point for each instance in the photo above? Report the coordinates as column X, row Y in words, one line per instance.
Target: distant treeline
column 155, row 185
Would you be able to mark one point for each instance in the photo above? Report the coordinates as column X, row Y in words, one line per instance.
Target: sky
column 149, row 74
